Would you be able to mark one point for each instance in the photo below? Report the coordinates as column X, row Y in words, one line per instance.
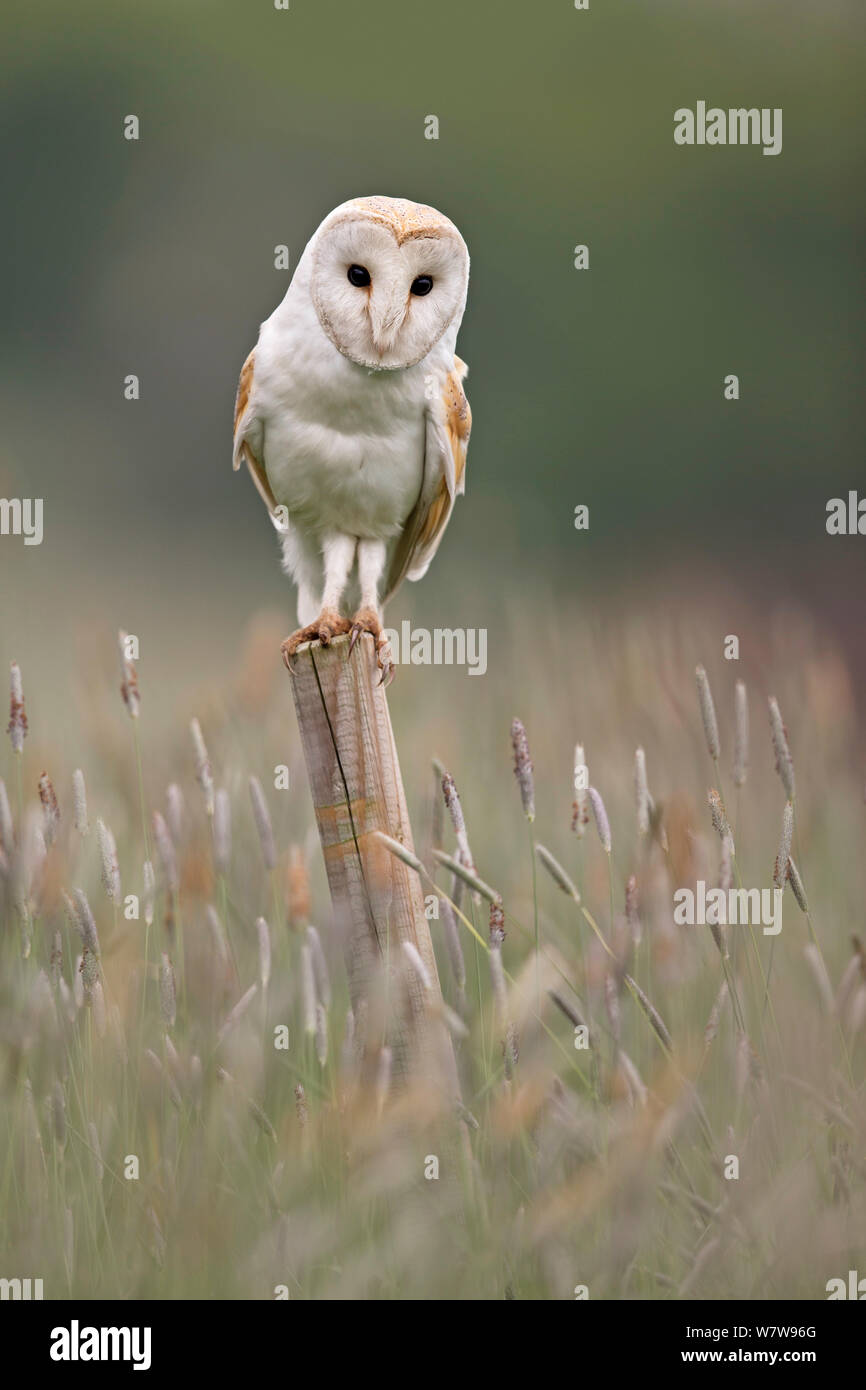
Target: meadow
column 648, row 1110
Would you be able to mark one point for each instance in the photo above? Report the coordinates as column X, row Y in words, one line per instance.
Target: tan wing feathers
column 242, row 447
column 458, row 423
column 426, row 525
column 242, row 400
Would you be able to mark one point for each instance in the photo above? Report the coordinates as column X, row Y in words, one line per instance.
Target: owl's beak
column 387, row 311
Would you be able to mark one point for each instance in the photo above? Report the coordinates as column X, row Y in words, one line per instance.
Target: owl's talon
column 368, row 620
column 327, row 626
column 385, row 662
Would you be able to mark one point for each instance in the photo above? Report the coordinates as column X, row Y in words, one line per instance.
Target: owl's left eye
column 422, row 284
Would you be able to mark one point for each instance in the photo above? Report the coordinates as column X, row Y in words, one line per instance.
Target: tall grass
column 189, row 1108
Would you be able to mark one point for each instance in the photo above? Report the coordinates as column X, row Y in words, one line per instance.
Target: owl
column 350, row 413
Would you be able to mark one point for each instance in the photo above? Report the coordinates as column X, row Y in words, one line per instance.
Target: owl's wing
column 248, row 435
column 449, row 421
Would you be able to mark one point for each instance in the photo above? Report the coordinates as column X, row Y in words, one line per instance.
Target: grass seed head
column 523, row 768
column 651, row 1012
column 89, row 970
column 400, row 851
column 497, row 925
column 17, row 726
column 712, row 1025
column 602, row 824
column 779, row 734
column 708, row 712
column 466, row 876
column 79, row 803
column 557, row 873
column 632, row 909
column 580, row 804
column 129, row 678
column 50, row 809
column 167, row 991
column 741, row 734
column 797, row 885
column 264, row 939
column 108, row 859
column 726, row 867
column 81, row 917
column 720, row 817
column 301, row 1105
column 455, row 811
column 641, row 791
column 438, row 819
column 202, row 766
column 780, row 869
column 7, row 833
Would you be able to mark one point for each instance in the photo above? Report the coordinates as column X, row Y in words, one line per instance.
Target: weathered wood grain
column 355, row 781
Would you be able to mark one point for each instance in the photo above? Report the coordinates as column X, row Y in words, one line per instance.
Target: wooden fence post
column 378, row 903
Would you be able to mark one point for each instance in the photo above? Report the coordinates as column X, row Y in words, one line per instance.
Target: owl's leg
column 338, row 556
column 307, row 605
column 371, row 566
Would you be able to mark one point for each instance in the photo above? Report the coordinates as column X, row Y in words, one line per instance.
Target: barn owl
column 351, row 416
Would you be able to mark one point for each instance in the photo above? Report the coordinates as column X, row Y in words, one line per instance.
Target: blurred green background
column 602, row 387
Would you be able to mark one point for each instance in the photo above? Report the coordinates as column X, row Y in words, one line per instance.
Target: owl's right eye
column 358, row 275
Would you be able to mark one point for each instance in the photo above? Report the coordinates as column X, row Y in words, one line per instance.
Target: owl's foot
column 327, row 626
column 367, row 620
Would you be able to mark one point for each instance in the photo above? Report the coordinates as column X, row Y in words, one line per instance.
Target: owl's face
column 388, row 279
